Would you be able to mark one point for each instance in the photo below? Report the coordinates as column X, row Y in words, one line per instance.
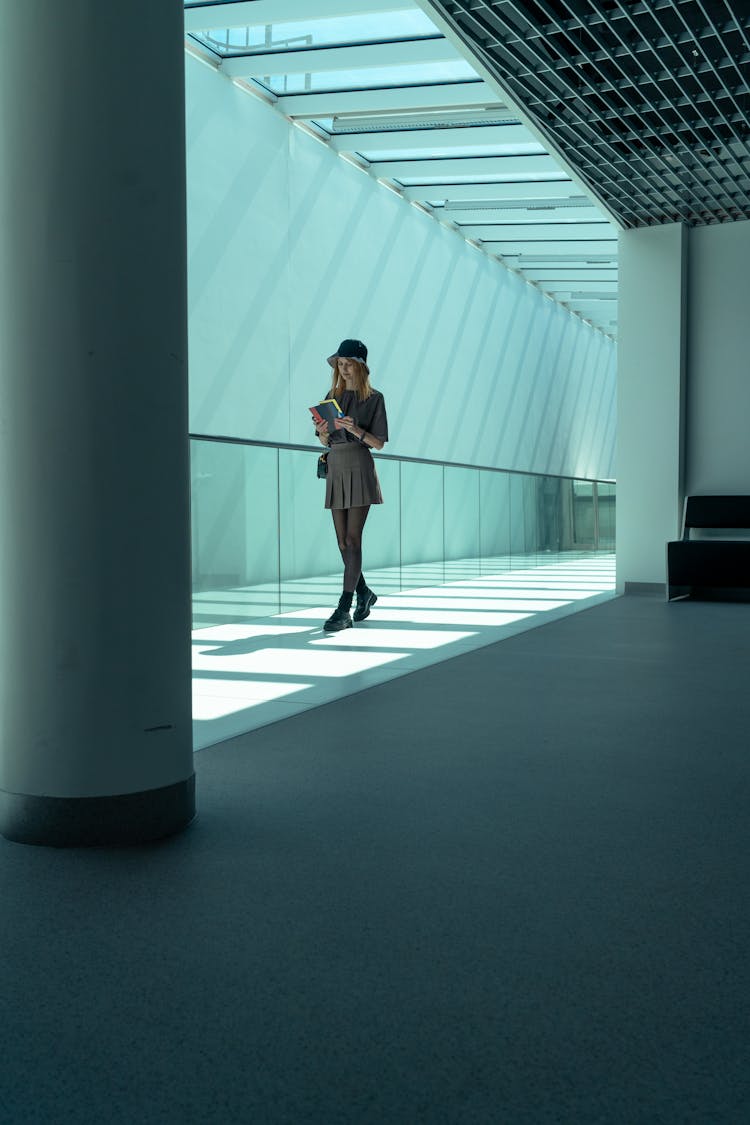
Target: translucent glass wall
column 258, row 519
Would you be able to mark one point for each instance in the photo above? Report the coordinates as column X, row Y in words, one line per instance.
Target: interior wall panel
column 650, row 399
column 718, row 376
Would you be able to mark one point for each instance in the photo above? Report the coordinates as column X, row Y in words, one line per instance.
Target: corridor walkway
column 252, row 667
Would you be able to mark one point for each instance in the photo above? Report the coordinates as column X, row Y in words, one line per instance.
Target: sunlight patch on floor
column 260, row 653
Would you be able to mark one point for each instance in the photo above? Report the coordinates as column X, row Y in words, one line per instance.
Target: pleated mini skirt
column 352, row 480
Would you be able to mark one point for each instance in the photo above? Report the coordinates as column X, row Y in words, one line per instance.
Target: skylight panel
column 369, row 78
column 441, row 151
column 387, row 90
column 344, row 31
column 422, row 180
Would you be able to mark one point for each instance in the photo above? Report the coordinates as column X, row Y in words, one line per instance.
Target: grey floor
column 511, row 887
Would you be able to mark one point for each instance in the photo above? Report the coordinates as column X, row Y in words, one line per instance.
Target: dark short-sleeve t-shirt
column 369, row 415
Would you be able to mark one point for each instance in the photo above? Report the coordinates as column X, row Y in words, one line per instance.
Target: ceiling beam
column 263, row 12
column 449, row 95
column 568, row 262
column 525, row 216
column 570, row 276
column 520, row 247
column 533, row 190
column 555, row 232
column 602, row 289
column 425, row 140
column 603, row 308
column 362, row 57
column 443, row 170
column 603, row 313
column 562, row 234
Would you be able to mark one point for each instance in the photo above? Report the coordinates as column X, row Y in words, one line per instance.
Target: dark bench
column 715, row 562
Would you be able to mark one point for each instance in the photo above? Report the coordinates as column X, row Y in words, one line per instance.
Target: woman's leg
column 341, row 521
column 340, row 516
column 352, row 552
column 349, row 524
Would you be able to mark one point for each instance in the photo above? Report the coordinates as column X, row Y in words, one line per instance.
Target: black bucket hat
column 349, row 349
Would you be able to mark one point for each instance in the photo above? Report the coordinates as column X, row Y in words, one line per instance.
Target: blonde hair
column 363, row 388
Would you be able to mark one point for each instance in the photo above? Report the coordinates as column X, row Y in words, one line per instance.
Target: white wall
column 292, row 249
column 683, row 385
column 650, row 399
column 718, row 373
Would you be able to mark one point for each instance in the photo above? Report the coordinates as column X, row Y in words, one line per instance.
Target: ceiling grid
column 648, row 102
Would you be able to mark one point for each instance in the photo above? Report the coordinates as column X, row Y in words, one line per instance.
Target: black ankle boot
column 340, row 618
column 365, row 601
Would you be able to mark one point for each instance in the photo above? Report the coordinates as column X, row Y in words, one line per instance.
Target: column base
column 78, row 822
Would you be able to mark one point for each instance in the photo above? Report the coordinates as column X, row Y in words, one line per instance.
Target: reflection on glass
column 234, row 520
column 383, row 529
column 606, row 510
column 421, row 513
column 494, row 511
column 551, row 521
column 461, row 512
column 307, row 542
column 584, row 521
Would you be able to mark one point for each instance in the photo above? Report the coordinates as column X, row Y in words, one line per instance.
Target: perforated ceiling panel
column 648, row 102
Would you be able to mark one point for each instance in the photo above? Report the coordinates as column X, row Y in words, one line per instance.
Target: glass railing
column 259, row 525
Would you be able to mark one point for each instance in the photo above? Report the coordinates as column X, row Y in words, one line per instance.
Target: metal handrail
column 398, row 457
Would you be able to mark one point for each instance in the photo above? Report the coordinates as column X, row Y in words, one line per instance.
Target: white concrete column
column 95, row 715
column 650, row 400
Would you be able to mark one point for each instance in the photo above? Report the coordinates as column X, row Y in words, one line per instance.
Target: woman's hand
column 322, row 428
column 354, row 428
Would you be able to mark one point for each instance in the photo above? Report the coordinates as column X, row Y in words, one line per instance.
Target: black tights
column 349, row 524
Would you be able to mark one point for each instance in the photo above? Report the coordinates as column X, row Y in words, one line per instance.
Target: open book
column 327, row 411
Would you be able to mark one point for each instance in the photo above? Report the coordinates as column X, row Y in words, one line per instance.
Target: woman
column 352, row 484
